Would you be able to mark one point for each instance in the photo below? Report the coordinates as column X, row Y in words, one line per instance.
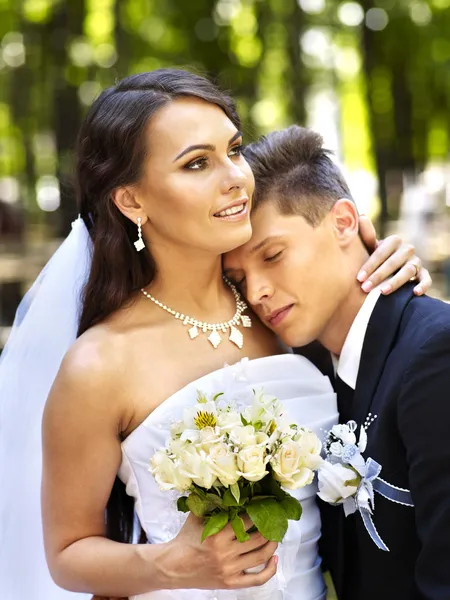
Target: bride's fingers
column 257, row 557
column 425, row 282
column 390, row 255
column 256, row 541
column 413, row 271
column 245, row 580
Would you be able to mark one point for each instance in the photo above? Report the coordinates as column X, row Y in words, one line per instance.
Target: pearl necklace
column 214, row 337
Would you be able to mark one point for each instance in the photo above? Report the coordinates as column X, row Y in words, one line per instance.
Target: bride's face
column 196, row 186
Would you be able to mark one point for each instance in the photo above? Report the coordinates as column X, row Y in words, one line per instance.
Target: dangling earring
column 139, row 243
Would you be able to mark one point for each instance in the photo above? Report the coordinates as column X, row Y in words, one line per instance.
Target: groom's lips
column 276, row 316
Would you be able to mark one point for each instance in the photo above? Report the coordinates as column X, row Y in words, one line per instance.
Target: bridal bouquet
column 228, row 461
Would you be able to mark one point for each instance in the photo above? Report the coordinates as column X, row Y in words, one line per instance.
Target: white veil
column 45, row 326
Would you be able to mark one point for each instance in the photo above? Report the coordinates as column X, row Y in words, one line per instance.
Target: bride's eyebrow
column 210, row 147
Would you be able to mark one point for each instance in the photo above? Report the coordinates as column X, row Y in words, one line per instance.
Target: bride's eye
column 236, row 150
column 273, row 257
column 197, row 165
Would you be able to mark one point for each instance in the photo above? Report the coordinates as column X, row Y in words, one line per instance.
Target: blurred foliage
column 386, row 61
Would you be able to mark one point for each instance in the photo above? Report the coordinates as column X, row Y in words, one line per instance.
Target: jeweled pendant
column 236, row 337
column 139, row 244
column 215, row 338
column 193, row 332
column 246, row 321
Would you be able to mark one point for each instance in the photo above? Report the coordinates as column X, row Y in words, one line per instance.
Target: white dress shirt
column 347, row 364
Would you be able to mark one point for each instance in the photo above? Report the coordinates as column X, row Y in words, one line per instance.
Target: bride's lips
column 278, row 315
column 235, row 211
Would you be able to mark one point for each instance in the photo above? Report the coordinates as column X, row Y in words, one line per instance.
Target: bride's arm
column 81, row 454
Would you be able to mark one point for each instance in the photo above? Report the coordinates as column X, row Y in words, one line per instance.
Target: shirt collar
column 346, row 366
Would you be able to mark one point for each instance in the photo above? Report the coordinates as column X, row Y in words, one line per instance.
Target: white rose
column 177, row 446
column 252, row 462
column 343, row 433
column 228, row 420
column 244, row 436
column 208, row 437
column 310, row 449
column 193, row 464
column 224, row 464
column 337, row 482
column 336, row 449
column 166, row 474
column 289, row 468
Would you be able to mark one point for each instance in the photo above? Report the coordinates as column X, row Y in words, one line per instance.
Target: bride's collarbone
column 168, row 359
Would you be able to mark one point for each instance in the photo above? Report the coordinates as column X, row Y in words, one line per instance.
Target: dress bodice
column 309, row 400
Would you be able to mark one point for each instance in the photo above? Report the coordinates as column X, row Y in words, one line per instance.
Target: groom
column 391, row 358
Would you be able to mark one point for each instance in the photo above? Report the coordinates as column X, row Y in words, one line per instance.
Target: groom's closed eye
column 273, row 257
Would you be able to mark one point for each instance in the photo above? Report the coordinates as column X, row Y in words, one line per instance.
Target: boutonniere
column 346, row 477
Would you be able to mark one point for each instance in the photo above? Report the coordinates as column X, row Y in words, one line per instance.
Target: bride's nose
column 234, row 179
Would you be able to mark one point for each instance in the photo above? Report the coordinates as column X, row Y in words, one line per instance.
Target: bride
column 163, row 192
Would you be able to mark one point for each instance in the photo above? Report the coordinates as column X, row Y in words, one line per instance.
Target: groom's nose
column 259, row 290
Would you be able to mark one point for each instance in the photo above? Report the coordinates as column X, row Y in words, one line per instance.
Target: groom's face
column 293, row 274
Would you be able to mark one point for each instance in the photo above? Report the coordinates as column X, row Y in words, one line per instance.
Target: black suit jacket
column 404, row 379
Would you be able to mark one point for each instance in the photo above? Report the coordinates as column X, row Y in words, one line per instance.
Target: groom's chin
column 296, row 338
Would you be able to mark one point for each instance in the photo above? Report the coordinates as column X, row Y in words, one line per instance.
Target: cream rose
column 193, row 464
column 310, row 449
column 208, row 438
column 336, row 482
column 224, row 464
column 251, row 462
column 228, row 421
column 166, row 474
column 289, row 468
column 244, row 436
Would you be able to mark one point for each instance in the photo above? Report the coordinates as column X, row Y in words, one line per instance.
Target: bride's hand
column 391, row 256
column 219, row 562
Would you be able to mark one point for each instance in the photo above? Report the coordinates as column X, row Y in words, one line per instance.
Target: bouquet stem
column 268, row 591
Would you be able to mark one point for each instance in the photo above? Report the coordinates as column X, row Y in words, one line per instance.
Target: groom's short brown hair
column 292, row 168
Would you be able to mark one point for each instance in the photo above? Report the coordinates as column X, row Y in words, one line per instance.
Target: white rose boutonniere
column 346, row 477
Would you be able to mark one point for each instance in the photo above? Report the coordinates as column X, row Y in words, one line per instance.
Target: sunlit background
column 372, row 76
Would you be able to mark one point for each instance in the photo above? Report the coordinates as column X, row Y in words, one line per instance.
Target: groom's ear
column 345, row 220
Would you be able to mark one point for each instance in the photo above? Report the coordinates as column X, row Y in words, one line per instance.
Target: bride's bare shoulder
column 88, row 385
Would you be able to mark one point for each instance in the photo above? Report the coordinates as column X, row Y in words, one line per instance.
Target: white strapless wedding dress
column 308, row 399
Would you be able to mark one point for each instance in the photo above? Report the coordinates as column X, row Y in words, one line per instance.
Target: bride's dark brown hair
column 111, row 148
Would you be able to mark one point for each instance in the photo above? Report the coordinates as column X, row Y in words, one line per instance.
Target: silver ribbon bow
column 364, row 500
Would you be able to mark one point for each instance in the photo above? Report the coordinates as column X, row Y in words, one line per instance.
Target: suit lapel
column 380, row 337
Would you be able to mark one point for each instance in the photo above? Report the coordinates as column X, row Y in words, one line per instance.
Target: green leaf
column 258, row 425
column 198, row 505
column 182, row 504
column 239, row 529
column 244, row 421
column 215, row 499
column 214, row 524
column 229, row 499
column 292, row 507
column 269, row 517
column 273, row 488
column 217, row 396
column 236, row 492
